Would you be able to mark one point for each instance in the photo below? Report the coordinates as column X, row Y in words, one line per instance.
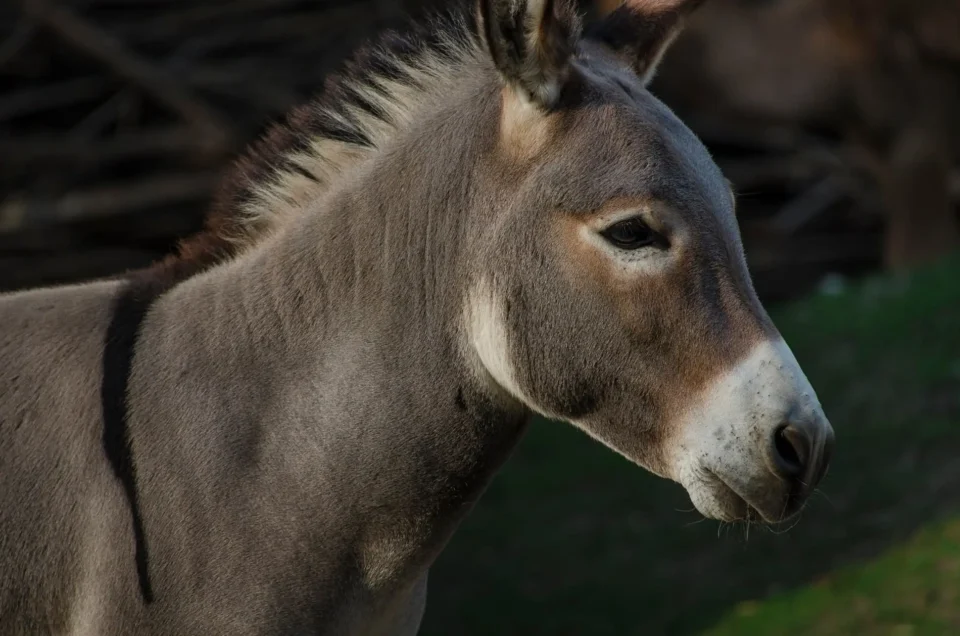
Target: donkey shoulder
column 55, row 504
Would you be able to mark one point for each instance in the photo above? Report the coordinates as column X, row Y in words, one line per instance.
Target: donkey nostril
column 791, row 450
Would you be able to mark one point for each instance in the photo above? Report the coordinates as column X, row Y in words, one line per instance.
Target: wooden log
column 922, row 223
column 178, row 189
column 810, row 204
column 71, row 266
column 28, row 150
column 21, row 35
column 172, row 24
column 759, row 171
column 110, row 51
column 51, row 96
column 273, row 31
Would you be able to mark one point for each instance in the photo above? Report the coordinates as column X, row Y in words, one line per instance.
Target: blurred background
column 836, row 120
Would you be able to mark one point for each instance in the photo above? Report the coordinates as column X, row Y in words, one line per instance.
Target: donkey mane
column 377, row 93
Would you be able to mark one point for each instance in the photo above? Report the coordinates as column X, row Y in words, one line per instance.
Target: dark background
column 834, row 119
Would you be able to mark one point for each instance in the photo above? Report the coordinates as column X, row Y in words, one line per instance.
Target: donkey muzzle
column 800, row 451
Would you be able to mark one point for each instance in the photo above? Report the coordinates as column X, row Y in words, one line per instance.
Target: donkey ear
column 640, row 31
column 531, row 43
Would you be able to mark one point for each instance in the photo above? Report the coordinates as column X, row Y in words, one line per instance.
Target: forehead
column 621, row 141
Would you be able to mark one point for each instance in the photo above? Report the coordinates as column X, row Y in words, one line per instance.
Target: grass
column 572, row 539
column 913, row 589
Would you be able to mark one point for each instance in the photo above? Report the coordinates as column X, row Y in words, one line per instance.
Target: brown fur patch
column 639, row 31
column 524, row 128
column 689, row 310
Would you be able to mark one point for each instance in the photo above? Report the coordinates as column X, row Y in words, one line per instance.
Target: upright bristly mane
column 379, row 91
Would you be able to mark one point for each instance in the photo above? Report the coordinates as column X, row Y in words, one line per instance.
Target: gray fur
column 308, row 420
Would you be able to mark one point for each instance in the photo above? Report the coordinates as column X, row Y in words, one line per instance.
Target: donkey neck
column 344, row 336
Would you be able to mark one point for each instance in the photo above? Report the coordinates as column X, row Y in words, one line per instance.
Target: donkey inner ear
column 640, row 31
column 531, row 43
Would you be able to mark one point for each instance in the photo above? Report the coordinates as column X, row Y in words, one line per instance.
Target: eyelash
column 633, row 234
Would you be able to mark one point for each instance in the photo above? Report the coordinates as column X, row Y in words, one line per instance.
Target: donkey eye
column 630, row 234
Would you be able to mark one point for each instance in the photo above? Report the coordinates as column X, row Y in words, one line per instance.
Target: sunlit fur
column 313, row 394
column 386, row 89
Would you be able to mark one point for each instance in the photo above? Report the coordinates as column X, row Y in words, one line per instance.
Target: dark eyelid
column 655, row 223
column 658, row 214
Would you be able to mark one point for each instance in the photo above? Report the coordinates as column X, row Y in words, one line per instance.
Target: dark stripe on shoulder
column 129, row 309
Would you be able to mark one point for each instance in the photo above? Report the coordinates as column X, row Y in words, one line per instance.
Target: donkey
column 278, row 429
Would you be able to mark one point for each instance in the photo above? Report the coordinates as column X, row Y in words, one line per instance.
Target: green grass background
column 572, row 539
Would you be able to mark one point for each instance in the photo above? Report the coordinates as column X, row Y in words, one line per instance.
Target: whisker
column 790, row 527
column 830, row 501
column 783, row 511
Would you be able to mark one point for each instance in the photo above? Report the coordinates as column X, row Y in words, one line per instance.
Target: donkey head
column 609, row 286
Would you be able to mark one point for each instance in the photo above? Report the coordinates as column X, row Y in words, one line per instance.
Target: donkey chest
column 397, row 613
